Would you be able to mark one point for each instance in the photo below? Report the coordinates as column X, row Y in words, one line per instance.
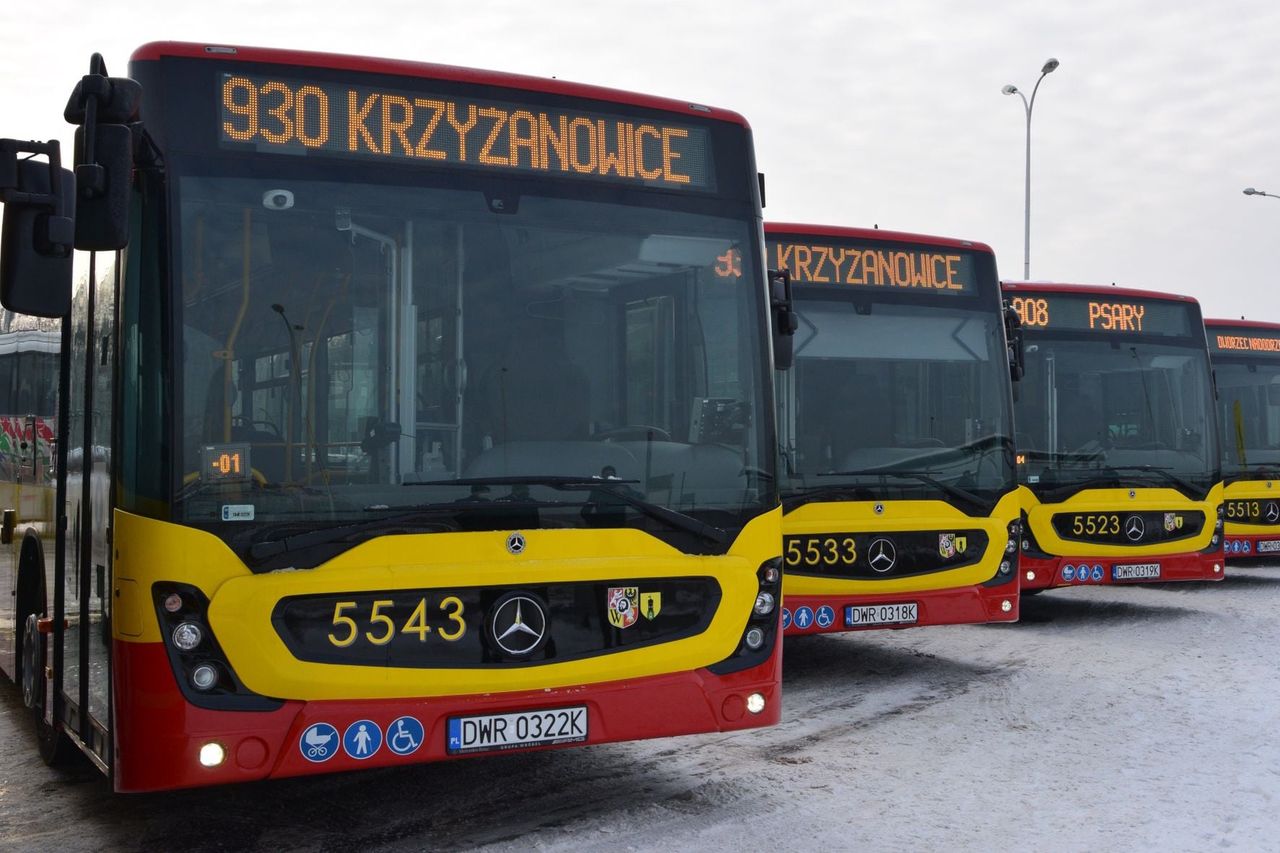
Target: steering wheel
column 632, row 432
column 241, row 420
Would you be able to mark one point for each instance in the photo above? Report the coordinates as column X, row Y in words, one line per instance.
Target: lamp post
column 1011, row 89
column 1252, row 191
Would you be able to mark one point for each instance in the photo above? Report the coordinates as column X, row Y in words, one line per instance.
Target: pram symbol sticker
column 319, row 743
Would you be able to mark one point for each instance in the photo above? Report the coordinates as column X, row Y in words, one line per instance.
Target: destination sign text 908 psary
column 438, row 130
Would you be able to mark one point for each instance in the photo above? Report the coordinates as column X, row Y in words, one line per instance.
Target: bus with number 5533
column 407, row 412
column 899, row 494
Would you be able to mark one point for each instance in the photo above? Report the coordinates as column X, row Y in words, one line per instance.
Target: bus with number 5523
column 426, row 412
column 1116, row 436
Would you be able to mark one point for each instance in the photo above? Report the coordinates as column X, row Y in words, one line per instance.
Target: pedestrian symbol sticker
column 362, row 739
column 786, row 618
column 404, row 735
column 803, row 618
column 319, row 743
column 825, row 616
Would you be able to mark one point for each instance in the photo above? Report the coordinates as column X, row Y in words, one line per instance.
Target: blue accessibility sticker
column 319, row 743
column 1247, row 546
column 362, row 739
column 825, row 617
column 404, row 735
column 1068, row 573
column 1097, row 573
column 803, row 618
column 786, row 618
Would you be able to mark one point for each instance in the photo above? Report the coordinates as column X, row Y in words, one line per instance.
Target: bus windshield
column 1249, row 406
column 353, row 351
column 908, row 400
column 1095, row 412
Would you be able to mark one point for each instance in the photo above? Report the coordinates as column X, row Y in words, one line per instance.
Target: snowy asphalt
column 1136, row 718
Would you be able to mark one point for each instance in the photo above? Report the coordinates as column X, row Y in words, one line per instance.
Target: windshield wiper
column 615, row 487
column 922, row 476
column 1161, row 471
column 326, row 535
column 809, row 494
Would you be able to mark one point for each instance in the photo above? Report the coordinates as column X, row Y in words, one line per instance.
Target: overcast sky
column 864, row 113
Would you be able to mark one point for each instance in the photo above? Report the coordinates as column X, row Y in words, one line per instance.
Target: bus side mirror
column 103, row 107
column 38, row 231
column 1013, row 341
column 784, row 321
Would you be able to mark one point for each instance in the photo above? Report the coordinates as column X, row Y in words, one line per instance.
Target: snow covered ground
column 1136, row 718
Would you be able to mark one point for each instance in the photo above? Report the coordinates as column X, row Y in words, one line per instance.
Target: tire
column 56, row 749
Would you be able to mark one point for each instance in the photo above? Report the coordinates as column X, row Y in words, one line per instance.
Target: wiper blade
column 1160, row 471
column 922, row 476
column 1053, row 456
column 326, row 535
column 610, row 485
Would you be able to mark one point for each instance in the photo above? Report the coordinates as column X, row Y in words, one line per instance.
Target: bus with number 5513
column 425, row 412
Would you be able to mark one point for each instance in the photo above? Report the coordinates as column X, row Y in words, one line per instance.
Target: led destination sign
column 1243, row 340
column 1071, row 312
column 383, row 124
column 886, row 267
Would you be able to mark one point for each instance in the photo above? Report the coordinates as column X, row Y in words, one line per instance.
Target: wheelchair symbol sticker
column 362, row 739
column 404, row 735
column 825, row 616
column 319, row 743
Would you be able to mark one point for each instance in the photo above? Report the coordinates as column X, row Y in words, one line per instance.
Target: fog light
column 764, row 604
column 771, row 575
column 173, row 602
column 755, row 703
column 1005, row 567
column 1216, row 568
column 187, row 636
column 1006, row 605
column 1031, row 576
column 212, row 754
column 204, row 676
column 754, row 638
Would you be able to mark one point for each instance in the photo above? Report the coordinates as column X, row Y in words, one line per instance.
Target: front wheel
column 56, row 749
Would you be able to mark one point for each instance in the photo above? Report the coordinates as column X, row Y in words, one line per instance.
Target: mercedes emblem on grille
column 1273, row 512
column 1134, row 528
column 882, row 555
column 517, row 624
column 516, row 543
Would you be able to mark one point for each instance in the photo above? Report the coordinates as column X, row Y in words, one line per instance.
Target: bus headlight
column 212, row 754
column 755, row 703
column 764, row 604
column 187, row 636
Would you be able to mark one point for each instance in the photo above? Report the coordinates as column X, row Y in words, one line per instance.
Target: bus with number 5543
column 407, row 412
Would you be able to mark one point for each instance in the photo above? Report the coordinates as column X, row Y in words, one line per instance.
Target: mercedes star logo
column 882, row 555
column 518, row 624
column 1273, row 512
column 1134, row 528
column 516, row 543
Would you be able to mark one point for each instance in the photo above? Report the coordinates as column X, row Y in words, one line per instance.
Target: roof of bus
column 871, row 234
column 405, row 68
column 1243, row 324
column 1095, row 289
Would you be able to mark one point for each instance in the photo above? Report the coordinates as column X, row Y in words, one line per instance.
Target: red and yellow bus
column 1246, row 364
column 434, row 411
column 1117, row 439
column 899, row 491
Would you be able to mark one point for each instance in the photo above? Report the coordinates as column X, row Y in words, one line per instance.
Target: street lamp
column 1252, row 191
column 1011, row 89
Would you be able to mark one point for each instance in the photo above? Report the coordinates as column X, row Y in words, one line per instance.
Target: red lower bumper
column 1253, row 546
column 158, row 734
column 1099, row 571
column 828, row 614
